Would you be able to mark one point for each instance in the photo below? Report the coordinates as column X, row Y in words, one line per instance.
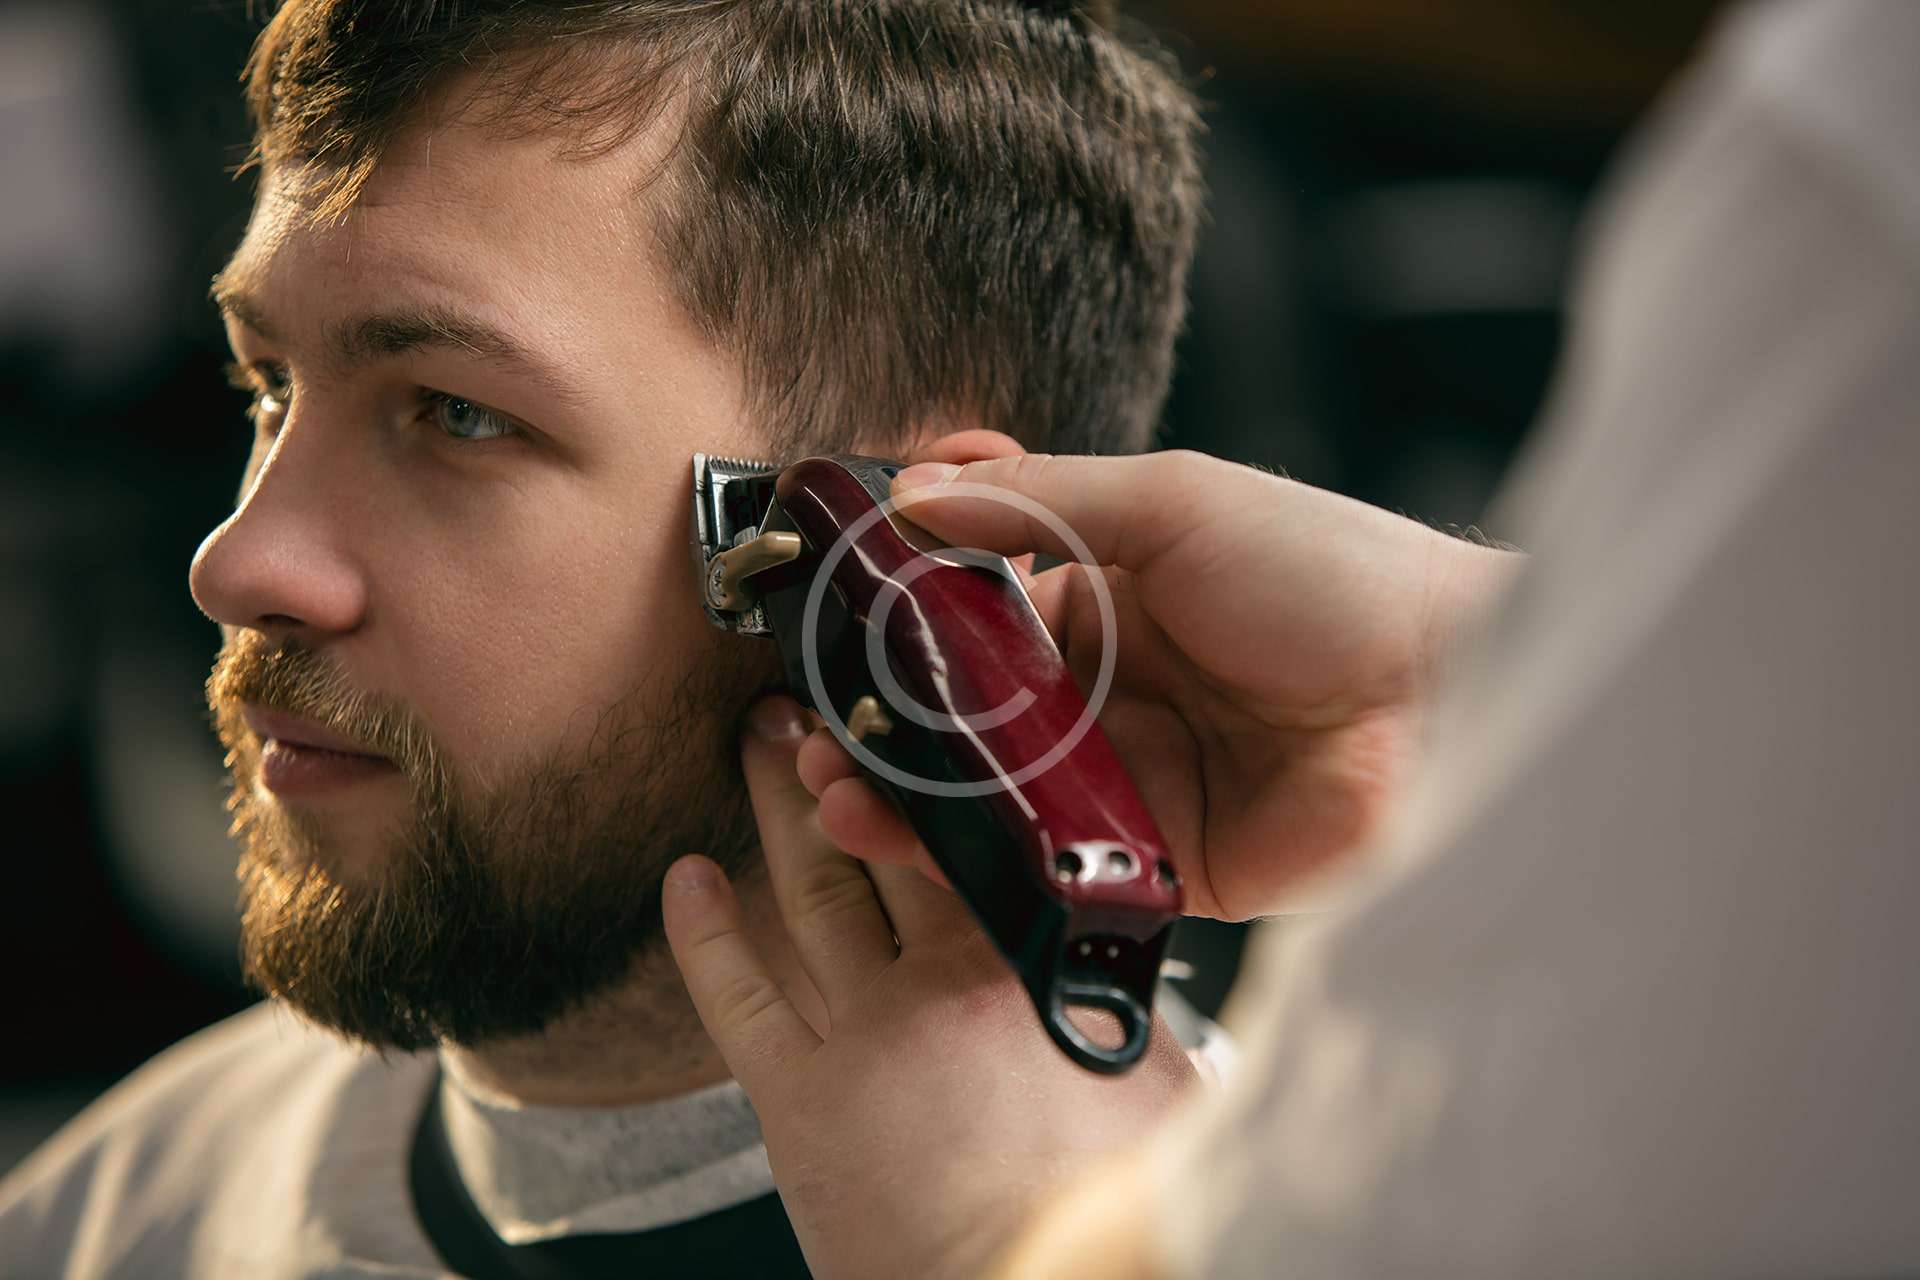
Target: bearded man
column 509, row 266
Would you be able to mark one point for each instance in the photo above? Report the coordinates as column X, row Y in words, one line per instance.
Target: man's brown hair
column 899, row 214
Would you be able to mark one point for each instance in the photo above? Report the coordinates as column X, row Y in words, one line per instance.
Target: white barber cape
column 1635, row 987
column 264, row 1147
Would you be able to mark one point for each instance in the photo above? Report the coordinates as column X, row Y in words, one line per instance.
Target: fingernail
column 777, row 719
column 690, row 875
column 924, row 475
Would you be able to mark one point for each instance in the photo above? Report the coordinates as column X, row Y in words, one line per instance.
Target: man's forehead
column 543, row 254
column 451, row 189
column 284, row 248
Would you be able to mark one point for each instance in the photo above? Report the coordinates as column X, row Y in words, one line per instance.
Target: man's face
column 461, row 546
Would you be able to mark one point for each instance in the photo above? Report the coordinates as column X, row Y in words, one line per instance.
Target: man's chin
column 434, row 935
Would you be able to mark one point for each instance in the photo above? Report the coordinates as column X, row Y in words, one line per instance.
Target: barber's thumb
column 740, row 1003
column 1013, row 505
column 770, row 741
column 958, row 504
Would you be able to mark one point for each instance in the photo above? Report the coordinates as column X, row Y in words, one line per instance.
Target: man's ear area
column 975, row 444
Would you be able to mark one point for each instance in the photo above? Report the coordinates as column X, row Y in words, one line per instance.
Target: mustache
column 293, row 679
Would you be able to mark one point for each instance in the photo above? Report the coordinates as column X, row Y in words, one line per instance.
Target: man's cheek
column 501, row 690
column 518, row 637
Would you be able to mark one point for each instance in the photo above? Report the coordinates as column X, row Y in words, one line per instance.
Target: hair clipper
column 933, row 668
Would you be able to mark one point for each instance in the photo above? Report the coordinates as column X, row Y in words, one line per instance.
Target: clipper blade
column 730, row 498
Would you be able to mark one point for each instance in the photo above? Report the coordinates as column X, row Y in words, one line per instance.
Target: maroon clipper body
column 938, row 674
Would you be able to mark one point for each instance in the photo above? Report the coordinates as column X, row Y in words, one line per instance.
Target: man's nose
column 282, row 561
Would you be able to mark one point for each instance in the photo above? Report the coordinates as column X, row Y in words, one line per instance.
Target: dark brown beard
column 492, row 914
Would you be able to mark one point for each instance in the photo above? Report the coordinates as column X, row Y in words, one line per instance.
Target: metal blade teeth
column 747, row 466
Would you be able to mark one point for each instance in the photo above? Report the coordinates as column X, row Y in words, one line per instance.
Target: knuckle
column 709, row 937
column 742, row 1001
column 827, row 891
column 1189, row 472
column 1029, row 472
column 1188, row 464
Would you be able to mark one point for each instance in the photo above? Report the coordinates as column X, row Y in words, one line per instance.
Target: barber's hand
column 913, row 1135
column 1276, row 647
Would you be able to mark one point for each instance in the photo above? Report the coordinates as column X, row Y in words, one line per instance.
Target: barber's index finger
column 1125, row 510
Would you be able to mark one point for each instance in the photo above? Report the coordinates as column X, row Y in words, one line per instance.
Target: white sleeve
column 1637, row 989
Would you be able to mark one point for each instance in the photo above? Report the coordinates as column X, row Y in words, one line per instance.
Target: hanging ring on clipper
column 1136, row 1024
column 727, row 572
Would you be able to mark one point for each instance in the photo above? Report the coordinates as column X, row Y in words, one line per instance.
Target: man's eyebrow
column 235, row 301
column 382, row 335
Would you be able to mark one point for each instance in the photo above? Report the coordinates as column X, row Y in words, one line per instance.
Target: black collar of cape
column 751, row 1239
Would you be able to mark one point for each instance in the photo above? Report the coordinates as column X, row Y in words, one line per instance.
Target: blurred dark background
column 1397, row 187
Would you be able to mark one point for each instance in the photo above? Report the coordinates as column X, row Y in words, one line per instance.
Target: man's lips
column 299, row 759
column 275, row 726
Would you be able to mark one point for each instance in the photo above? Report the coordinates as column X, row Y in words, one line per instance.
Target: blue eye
column 465, row 420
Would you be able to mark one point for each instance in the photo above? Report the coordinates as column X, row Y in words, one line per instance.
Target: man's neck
column 639, row 1042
